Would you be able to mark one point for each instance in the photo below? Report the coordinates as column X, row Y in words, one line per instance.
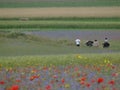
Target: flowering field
column 61, row 72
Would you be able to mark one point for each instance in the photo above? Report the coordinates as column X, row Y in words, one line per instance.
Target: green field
column 19, row 44
column 58, row 60
column 60, row 23
column 57, row 3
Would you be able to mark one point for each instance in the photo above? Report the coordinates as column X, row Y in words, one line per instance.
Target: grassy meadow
column 59, row 60
column 19, row 44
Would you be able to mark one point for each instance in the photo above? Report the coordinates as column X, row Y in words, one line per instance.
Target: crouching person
column 77, row 41
column 96, row 43
column 89, row 43
column 106, row 45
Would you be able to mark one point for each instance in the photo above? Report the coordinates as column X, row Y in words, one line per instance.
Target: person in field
column 96, row 43
column 89, row 43
column 106, row 44
column 77, row 41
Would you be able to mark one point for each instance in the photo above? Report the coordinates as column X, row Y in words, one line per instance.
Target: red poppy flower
column 115, row 74
column 48, row 87
column 2, row 82
column 100, row 80
column 15, row 87
column 83, row 79
column 82, row 82
column 54, row 76
column 88, row 85
column 36, row 76
column 98, row 69
column 112, row 82
column 113, row 67
column 63, row 80
column 32, row 78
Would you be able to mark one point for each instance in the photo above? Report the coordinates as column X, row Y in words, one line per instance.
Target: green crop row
column 53, row 3
column 62, row 19
column 60, row 24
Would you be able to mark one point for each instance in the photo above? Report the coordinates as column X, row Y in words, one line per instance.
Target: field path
column 61, row 12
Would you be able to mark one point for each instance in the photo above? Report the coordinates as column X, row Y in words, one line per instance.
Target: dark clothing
column 89, row 43
column 78, row 45
column 106, row 45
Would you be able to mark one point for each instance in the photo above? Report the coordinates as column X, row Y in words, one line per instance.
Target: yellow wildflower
column 67, row 85
column 79, row 56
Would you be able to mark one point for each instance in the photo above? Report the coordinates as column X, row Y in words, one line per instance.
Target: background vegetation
column 57, row 3
column 60, row 23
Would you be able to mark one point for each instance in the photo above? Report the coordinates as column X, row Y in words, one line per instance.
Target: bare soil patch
column 61, row 12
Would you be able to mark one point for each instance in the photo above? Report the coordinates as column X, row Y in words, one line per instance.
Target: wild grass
column 20, row 44
column 62, row 18
column 60, row 23
column 57, row 60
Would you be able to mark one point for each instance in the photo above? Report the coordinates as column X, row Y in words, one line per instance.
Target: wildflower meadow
column 60, row 72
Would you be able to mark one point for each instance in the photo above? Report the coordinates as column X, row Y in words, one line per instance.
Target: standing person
column 106, row 40
column 77, row 41
column 106, row 43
